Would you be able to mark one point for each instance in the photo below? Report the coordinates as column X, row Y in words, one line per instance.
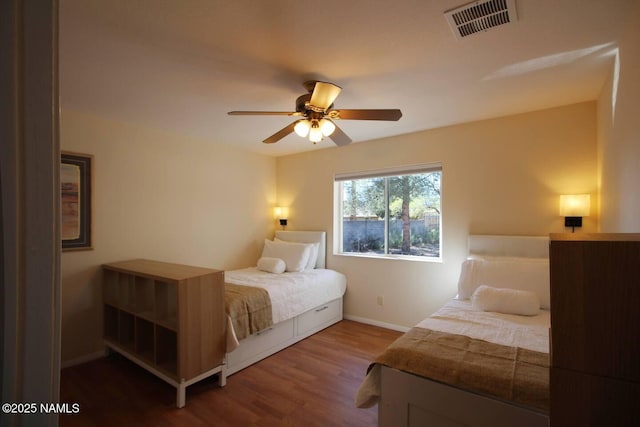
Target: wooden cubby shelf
column 167, row 318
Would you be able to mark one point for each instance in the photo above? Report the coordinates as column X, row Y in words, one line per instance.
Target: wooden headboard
column 308, row 237
column 510, row 246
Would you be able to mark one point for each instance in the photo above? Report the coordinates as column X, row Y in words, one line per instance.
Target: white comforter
column 291, row 293
column 458, row 317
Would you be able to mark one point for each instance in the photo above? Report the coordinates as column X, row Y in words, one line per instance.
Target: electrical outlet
column 380, row 300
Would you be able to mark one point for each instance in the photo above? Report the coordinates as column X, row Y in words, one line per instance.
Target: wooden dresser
column 595, row 329
column 168, row 318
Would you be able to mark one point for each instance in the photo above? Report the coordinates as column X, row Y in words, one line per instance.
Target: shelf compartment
column 166, row 304
column 144, row 339
column 126, row 292
column 144, row 303
column 111, row 323
column 126, row 327
column 167, row 350
column 110, row 287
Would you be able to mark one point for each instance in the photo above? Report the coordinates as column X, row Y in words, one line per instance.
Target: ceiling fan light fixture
column 315, row 114
column 326, row 127
column 302, row 128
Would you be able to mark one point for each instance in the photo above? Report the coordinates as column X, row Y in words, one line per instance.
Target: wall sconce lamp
column 281, row 213
column 573, row 207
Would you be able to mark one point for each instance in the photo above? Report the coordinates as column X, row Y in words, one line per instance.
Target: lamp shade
column 280, row 212
column 326, row 127
column 302, row 128
column 315, row 134
column 575, row 205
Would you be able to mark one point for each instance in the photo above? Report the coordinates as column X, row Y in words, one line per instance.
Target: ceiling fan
column 316, row 113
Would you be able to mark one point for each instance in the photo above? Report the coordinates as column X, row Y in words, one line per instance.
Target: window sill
column 391, row 257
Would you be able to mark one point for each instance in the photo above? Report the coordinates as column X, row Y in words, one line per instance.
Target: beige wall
column 501, row 176
column 163, row 197
column 619, row 136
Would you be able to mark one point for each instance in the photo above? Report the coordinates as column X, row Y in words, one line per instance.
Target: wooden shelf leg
column 181, row 395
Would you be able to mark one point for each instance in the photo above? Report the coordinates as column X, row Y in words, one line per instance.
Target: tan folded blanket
column 249, row 309
column 510, row 373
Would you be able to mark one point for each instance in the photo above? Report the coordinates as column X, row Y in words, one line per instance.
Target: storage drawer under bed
column 265, row 341
column 319, row 316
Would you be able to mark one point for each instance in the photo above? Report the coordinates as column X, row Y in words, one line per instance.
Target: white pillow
column 295, row 256
column 525, row 274
column 313, row 255
column 509, row 301
column 272, row 265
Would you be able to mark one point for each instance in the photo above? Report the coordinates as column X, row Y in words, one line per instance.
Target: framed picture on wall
column 75, row 200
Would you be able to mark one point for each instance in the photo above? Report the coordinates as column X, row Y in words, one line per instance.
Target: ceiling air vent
column 481, row 16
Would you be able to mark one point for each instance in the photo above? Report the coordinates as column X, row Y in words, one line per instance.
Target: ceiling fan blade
column 263, row 113
column 390, row 115
column 280, row 134
column 339, row 137
column 323, row 95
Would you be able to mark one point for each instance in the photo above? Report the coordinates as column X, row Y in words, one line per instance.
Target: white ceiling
column 181, row 65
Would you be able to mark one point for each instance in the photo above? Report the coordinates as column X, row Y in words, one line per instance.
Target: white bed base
column 281, row 335
column 417, row 401
column 411, row 400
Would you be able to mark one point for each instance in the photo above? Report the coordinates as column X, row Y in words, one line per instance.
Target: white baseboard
column 83, row 359
column 385, row 325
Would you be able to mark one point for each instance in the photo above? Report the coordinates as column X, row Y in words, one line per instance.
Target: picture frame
column 76, row 204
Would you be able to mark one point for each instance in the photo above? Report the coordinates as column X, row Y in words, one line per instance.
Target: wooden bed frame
column 281, row 335
column 411, row 400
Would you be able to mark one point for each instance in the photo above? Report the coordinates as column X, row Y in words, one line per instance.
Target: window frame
column 338, row 213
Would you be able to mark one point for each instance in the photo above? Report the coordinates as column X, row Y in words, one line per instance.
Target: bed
column 483, row 358
column 291, row 305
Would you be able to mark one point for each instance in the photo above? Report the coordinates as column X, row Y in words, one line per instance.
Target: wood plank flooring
column 312, row 383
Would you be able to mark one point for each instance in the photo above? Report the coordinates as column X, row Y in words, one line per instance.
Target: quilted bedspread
column 248, row 308
column 514, row 374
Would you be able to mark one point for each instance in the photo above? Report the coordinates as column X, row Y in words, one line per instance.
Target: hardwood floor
column 312, row 383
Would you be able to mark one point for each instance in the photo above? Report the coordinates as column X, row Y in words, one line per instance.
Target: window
column 390, row 212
